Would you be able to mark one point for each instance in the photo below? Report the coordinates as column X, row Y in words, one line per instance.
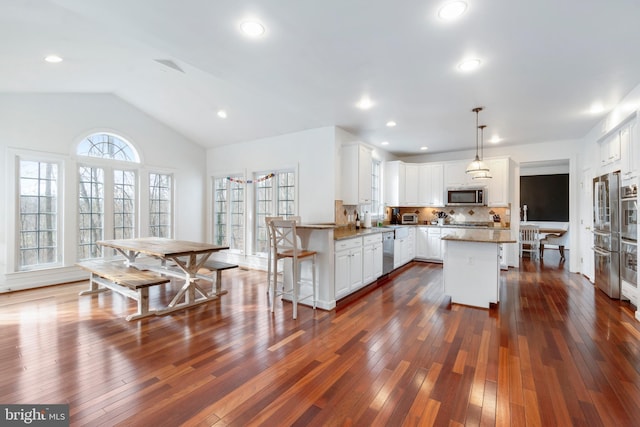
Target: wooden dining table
column 180, row 259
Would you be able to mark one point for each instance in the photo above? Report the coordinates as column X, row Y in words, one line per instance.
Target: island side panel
column 471, row 272
column 319, row 239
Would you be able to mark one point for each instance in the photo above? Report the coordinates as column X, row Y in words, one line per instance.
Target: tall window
column 124, row 200
column 275, row 196
column 229, row 208
column 38, row 214
column 107, row 192
column 90, row 211
column 160, row 205
column 376, row 207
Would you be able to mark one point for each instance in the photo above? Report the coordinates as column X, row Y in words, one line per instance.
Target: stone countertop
column 318, row 226
column 482, row 235
column 496, row 226
column 345, row 232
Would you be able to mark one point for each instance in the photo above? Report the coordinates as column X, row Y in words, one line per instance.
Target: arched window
column 107, row 193
column 107, row 146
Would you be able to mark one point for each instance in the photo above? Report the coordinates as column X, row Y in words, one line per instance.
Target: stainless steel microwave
column 467, row 196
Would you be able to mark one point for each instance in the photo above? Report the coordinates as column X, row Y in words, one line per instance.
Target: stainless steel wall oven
column 629, row 212
column 628, row 242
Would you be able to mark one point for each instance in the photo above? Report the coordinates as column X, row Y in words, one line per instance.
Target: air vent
column 169, row 63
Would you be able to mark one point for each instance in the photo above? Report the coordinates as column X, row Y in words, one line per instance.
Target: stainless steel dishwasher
column 387, row 251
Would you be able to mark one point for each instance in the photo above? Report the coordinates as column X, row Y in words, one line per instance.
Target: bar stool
column 286, row 245
column 270, row 257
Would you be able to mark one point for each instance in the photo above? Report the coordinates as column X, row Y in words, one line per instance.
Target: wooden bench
column 218, row 267
column 127, row 281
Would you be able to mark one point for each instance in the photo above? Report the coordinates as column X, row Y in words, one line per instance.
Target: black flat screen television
column 546, row 197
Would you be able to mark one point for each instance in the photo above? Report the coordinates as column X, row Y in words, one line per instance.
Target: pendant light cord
column 477, row 111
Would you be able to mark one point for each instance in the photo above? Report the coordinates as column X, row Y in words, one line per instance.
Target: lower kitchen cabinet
column 428, row 243
column 371, row 258
column 503, row 256
column 348, row 266
column 404, row 249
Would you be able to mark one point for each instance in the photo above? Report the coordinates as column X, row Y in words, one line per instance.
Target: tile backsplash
column 426, row 215
column 457, row 214
column 342, row 212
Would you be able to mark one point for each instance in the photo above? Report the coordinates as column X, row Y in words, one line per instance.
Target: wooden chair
column 530, row 240
column 270, row 257
column 286, row 245
column 560, row 239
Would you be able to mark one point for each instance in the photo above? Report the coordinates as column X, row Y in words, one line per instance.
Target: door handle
column 601, row 252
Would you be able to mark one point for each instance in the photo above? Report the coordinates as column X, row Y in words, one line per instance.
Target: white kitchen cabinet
column 498, row 186
column 431, row 184
column 348, row 266
column 503, row 256
column 399, row 252
column 422, row 242
column 455, row 174
column 411, row 185
column 610, row 149
column 356, row 175
column 411, row 245
column 394, row 183
column 371, row 258
column 404, row 249
column 630, row 153
column 434, row 244
column 428, row 243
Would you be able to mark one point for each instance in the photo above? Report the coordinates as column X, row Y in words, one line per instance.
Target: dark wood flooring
column 554, row 352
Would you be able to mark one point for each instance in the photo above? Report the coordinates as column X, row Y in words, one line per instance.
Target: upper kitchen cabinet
column 610, row 149
column 356, row 175
column 620, row 146
column 411, row 185
column 629, row 150
column 431, row 184
column 455, row 174
column 394, row 183
column 498, row 186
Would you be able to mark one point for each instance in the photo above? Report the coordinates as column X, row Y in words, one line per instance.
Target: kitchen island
column 471, row 265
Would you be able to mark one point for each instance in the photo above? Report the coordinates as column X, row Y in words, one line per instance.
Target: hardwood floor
column 554, row 352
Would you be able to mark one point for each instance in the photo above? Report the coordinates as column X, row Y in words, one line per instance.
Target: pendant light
column 484, row 174
column 477, row 165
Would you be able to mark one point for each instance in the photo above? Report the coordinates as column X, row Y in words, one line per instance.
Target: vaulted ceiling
column 543, row 64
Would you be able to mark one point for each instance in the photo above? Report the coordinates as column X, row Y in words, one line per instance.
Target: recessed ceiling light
column 222, row 114
column 596, row 108
column 384, row 143
column 252, row 28
column 365, row 103
column 53, row 59
column 391, row 124
column 495, row 139
column 424, row 148
column 452, row 10
column 469, row 64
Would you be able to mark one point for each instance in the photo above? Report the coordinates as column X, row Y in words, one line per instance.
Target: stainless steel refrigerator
column 606, row 233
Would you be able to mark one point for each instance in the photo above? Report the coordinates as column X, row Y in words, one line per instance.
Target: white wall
column 310, row 152
column 56, row 123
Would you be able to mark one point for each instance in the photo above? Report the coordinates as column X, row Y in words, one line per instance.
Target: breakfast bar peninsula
column 471, row 265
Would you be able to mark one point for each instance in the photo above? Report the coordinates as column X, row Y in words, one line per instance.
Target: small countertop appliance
column 409, row 218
